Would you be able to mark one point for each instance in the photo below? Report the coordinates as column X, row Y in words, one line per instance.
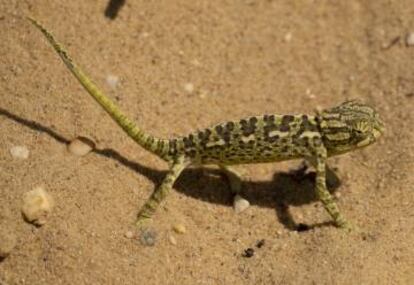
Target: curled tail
column 160, row 147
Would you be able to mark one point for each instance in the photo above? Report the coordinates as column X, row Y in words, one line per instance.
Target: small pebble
column 81, row 146
column 279, row 233
column 20, row 152
column 240, row 204
column 179, row 229
column 7, row 242
column 288, row 37
column 189, row 87
column 249, row 252
column 112, row 81
column 409, row 40
column 172, row 240
column 260, row 243
column 148, row 237
column 129, row 234
column 37, row 205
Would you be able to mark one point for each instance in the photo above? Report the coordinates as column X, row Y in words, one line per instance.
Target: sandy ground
column 242, row 58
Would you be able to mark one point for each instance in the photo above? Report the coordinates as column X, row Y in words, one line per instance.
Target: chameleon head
column 349, row 126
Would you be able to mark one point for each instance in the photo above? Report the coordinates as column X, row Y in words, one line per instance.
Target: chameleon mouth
column 377, row 132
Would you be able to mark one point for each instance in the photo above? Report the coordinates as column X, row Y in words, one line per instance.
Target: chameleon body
column 257, row 139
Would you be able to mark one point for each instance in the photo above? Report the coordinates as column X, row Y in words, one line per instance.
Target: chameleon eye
column 358, row 132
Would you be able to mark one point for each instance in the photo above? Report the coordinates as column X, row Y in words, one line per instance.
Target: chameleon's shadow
column 113, row 7
column 294, row 188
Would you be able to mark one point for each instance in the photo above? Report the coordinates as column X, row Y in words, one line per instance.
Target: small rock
column 112, row 81
column 195, row 62
column 279, row 233
column 7, row 242
column 20, row 152
column 240, row 204
column 288, row 37
column 172, row 240
column 37, row 205
column 179, row 229
column 148, row 237
column 129, row 234
column 189, row 87
column 260, row 243
column 81, row 146
column 249, row 252
column 409, row 40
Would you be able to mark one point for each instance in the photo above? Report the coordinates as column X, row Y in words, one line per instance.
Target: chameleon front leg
column 323, row 194
column 151, row 205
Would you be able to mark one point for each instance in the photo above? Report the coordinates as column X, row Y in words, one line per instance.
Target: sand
column 175, row 66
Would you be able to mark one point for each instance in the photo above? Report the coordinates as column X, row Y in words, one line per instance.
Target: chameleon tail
column 160, row 147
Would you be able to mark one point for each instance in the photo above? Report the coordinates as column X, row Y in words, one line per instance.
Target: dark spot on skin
column 230, row 126
column 173, row 146
column 191, row 152
column 188, row 142
column 272, row 139
column 305, row 141
column 204, row 136
column 285, row 149
column 226, row 136
column 284, row 128
column 248, row 127
column 269, row 118
column 219, row 129
column 287, row 119
column 317, row 141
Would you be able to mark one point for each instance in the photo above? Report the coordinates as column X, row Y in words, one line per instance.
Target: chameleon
column 346, row 127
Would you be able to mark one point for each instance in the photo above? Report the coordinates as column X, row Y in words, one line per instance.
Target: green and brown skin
column 267, row 138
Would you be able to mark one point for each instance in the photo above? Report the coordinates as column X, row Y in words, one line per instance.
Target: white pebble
column 189, row 87
column 37, row 205
column 179, row 229
column 81, row 146
column 20, row 152
column 240, row 204
column 129, row 234
column 410, row 39
column 288, row 37
column 172, row 240
column 112, row 81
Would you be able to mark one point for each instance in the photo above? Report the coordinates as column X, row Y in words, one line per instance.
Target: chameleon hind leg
column 151, row 205
column 321, row 190
column 234, row 178
column 235, row 182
